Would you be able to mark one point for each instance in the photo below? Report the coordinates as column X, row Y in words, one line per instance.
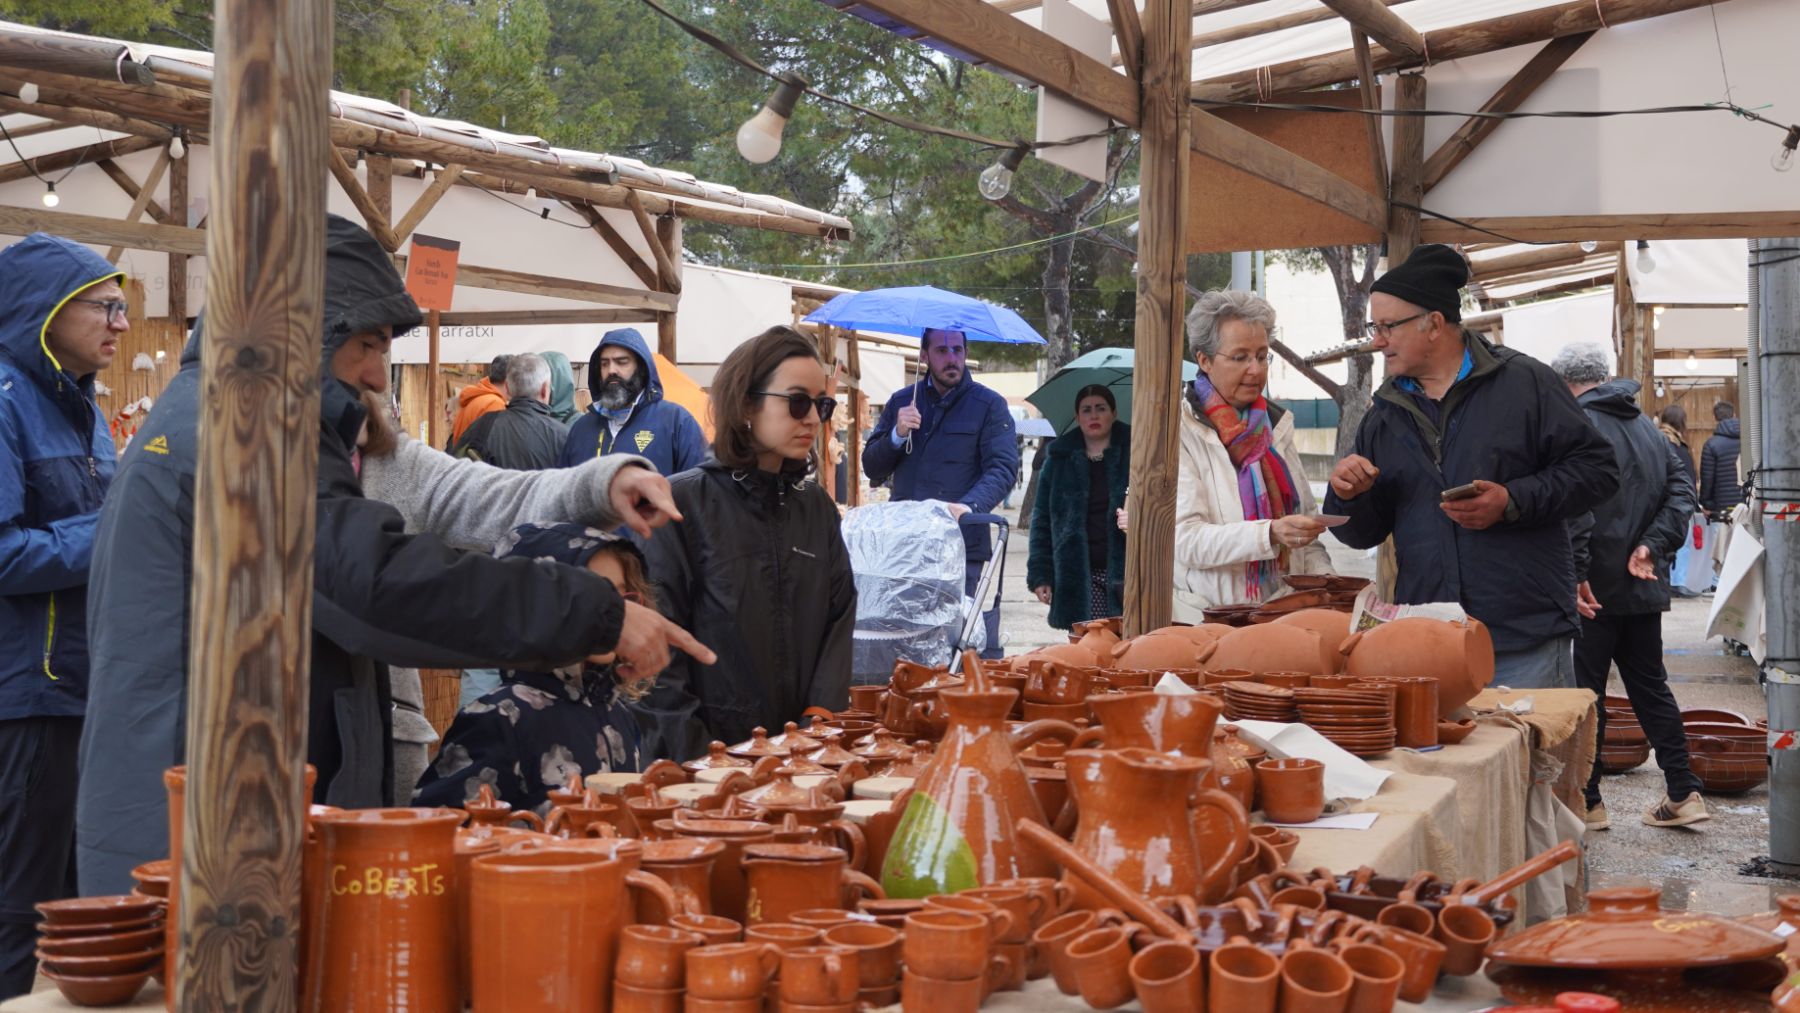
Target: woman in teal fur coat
column 1077, row 559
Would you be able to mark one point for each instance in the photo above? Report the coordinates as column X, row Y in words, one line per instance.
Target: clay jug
column 1099, row 636
column 957, row 830
column 486, row 809
column 388, row 924
column 550, row 923
column 1331, row 625
column 1152, row 848
column 1272, row 647
column 1156, row 652
column 1459, row 655
column 1181, row 725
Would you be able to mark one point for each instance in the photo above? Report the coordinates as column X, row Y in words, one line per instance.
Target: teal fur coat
column 1059, row 544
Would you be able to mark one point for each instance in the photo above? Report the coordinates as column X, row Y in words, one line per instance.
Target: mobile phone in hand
column 1460, row 492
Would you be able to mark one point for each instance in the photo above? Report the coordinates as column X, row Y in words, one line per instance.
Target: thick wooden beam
column 63, row 117
column 498, row 280
column 141, row 201
column 1365, row 84
column 56, row 162
column 509, row 318
column 19, row 221
column 1128, row 31
column 124, row 181
column 446, row 178
column 92, row 58
column 178, row 263
column 1382, row 25
column 668, row 279
column 1446, row 44
column 1566, row 255
column 1574, row 228
column 1508, row 98
column 1239, row 148
column 668, row 239
column 257, row 453
column 1277, row 24
column 379, row 171
column 996, row 38
column 617, row 243
column 1407, row 164
column 1162, row 273
column 365, row 205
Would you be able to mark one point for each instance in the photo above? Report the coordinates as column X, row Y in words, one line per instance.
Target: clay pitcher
column 1099, row 636
column 1459, row 655
column 1181, row 725
column 1152, row 848
column 957, row 830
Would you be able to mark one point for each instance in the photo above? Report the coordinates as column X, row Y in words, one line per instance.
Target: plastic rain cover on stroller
column 909, row 563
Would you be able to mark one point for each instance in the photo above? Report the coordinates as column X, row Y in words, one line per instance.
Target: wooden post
column 1407, row 169
column 257, row 454
column 434, row 384
column 177, row 278
column 1164, row 122
column 379, row 172
column 668, row 235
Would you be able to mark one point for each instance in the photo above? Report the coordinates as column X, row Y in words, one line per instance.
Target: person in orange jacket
column 479, row 398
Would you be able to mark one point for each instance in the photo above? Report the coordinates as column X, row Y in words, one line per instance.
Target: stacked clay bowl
column 99, row 951
column 1726, row 757
column 1253, row 701
column 1358, row 720
column 1624, row 746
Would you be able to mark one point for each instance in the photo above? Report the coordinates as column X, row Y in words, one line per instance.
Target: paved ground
column 1696, row 867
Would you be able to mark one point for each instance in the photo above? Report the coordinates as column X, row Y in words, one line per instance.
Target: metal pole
column 1241, row 271
column 1777, row 485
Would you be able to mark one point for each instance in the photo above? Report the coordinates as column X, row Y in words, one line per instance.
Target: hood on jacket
column 629, row 339
column 481, row 388
column 1731, row 429
column 562, row 386
column 1614, row 397
column 363, row 292
column 38, row 276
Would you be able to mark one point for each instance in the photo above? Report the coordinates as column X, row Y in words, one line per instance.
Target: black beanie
column 1430, row 279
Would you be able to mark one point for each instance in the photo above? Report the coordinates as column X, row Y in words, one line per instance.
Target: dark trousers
column 1634, row 643
column 38, row 759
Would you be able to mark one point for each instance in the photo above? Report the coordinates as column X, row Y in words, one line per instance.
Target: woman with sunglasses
column 756, row 569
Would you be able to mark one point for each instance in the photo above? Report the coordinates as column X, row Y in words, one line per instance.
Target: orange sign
column 431, row 271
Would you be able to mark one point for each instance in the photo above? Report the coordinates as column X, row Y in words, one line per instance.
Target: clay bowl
column 52, row 947
column 1716, row 716
column 1286, row 680
column 1225, row 675
column 1619, row 734
column 1619, row 759
column 1722, row 772
column 104, row 964
column 1452, row 732
column 1308, row 581
column 98, row 990
column 1740, row 733
column 152, row 878
column 100, row 910
column 83, row 929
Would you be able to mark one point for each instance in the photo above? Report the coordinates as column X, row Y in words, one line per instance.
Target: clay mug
column 728, row 886
column 784, row 878
column 712, row 928
column 1056, row 896
column 1465, row 932
column 950, row 995
column 1407, row 914
column 1283, row 840
column 731, row 970
column 654, row 956
column 892, row 911
column 1376, row 975
column 1422, row 956
column 877, row 952
column 1167, row 978
column 1309, row 897
column 867, row 698
column 822, row 918
column 1415, row 711
column 1293, row 789
column 819, row 976
column 1025, row 909
column 830, row 828
column 1242, row 977
column 782, row 935
column 637, row 999
column 1051, row 941
column 1100, row 959
column 1000, row 920
column 1314, row 980
column 946, row 944
column 695, row 1004
column 686, row 865
column 536, row 910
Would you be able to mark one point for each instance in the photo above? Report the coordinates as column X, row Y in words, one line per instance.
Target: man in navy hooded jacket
column 629, row 415
column 62, row 313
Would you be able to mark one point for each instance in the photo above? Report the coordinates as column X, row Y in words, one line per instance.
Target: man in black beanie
column 1471, row 458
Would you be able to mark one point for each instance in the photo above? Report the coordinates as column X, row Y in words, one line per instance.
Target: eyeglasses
column 1375, row 329
column 800, row 404
column 1245, row 358
column 116, row 309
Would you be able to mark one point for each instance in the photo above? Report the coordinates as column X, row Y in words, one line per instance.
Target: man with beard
column 950, row 439
column 629, row 414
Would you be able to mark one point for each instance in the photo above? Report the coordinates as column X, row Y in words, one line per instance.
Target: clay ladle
column 1514, row 877
column 1124, row 898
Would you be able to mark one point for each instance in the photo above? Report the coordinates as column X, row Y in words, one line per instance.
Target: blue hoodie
column 56, row 460
column 662, row 431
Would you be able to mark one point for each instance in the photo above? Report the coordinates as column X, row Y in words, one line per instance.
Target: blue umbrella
column 1109, row 367
column 915, row 309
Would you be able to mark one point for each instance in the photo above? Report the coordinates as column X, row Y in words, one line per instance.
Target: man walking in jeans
column 1623, row 549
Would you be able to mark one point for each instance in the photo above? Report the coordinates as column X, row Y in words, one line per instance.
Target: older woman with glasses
column 756, row 568
column 1245, row 517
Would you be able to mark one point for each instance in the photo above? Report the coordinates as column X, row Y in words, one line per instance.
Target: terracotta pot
column 1070, row 654
column 1056, row 683
column 819, row 976
column 593, row 816
column 1625, row 929
column 712, row 928
column 1273, row 647
column 728, row 889
column 1156, row 652
column 1449, row 733
column 784, row 878
column 867, row 698
column 98, row 989
column 686, row 865
column 654, row 956
column 1160, row 722
column 957, row 829
column 1415, row 711
column 891, row 911
column 1064, row 712
column 1331, row 626
column 109, row 944
column 1314, row 981
column 1284, row 841
column 1220, row 677
column 877, row 950
column 716, row 757
column 1101, row 961
column 1054, row 897
column 1167, row 978
column 1234, row 765
column 781, row 935
column 387, row 925
column 1098, row 636
column 919, row 992
column 635, row 999
column 1375, row 977
column 727, row 971
column 1293, row 789
column 757, row 746
column 1459, row 655
column 1152, row 849
column 1242, row 977
column 827, row 826
column 1001, row 924
column 946, row 945
column 1286, row 680
column 550, row 918
column 1200, row 635
column 1422, row 956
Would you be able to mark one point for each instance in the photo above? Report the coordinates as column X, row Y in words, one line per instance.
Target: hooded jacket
column 56, row 460
column 1059, row 556
column 1510, row 420
column 379, row 595
column 1652, row 507
column 524, row 437
column 1720, row 486
column 562, row 388
column 660, row 430
column 756, row 570
column 472, row 402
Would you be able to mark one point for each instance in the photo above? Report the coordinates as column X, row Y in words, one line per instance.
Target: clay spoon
column 1064, row 854
column 1514, row 877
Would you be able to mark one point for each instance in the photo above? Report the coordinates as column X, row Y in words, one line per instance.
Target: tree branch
column 1037, row 218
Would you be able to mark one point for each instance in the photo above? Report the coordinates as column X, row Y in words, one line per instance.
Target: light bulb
column 1784, row 155
column 1589, row 245
column 1645, row 262
column 1692, row 363
column 28, row 93
column 759, row 139
column 1659, row 310
column 538, row 203
column 161, row 355
column 50, row 198
column 177, row 150
column 995, row 181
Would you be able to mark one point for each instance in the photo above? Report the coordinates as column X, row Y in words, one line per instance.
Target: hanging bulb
column 177, row 149
column 1692, row 363
column 1645, row 262
column 50, row 198
column 1589, row 245
column 28, row 93
column 538, row 203
column 1784, row 155
column 1659, row 310
column 759, row 139
column 430, row 174
column 995, row 181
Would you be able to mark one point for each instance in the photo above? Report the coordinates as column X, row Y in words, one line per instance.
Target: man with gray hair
column 1623, row 548
column 524, row 437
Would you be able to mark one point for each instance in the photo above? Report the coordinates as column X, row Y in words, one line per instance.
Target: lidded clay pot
column 716, row 756
column 1625, row 930
column 1272, row 647
column 1459, row 655
column 757, row 746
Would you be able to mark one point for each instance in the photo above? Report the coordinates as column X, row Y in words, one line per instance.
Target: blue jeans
column 1549, row 665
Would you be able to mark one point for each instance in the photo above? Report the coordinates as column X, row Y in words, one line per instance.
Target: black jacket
column 1512, row 421
column 524, row 437
column 1720, row 489
column 757, row 571
column 1652, row 508
column 377, row 594
column 1059, row 539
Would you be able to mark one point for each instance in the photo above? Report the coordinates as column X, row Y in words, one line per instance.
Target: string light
column 995, row 181
column 1589, row 245
column 759, row 139
column 50, row 198
column 1645, row 262
column 1692, row 363
column 177, row 148
column 1660, row 310
column 28, row 93
column 1784, row 155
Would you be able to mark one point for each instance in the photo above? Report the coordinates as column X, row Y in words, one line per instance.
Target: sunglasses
column 800, row 404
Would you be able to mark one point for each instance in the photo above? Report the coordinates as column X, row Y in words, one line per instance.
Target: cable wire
column 953, row 256
column 26, row 162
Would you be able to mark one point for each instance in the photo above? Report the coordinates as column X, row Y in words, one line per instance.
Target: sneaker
column 1670, row 813
column 1596, row 817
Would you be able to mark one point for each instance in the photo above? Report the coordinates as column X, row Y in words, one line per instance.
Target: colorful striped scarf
column 1264, row 486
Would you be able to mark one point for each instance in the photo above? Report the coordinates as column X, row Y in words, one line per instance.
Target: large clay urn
column 1157, row 652
column 1071, row 654
column 1331, row 625
column 1133, row 826
column 1459, row 655
column 1272, row 647
column 957, row 830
